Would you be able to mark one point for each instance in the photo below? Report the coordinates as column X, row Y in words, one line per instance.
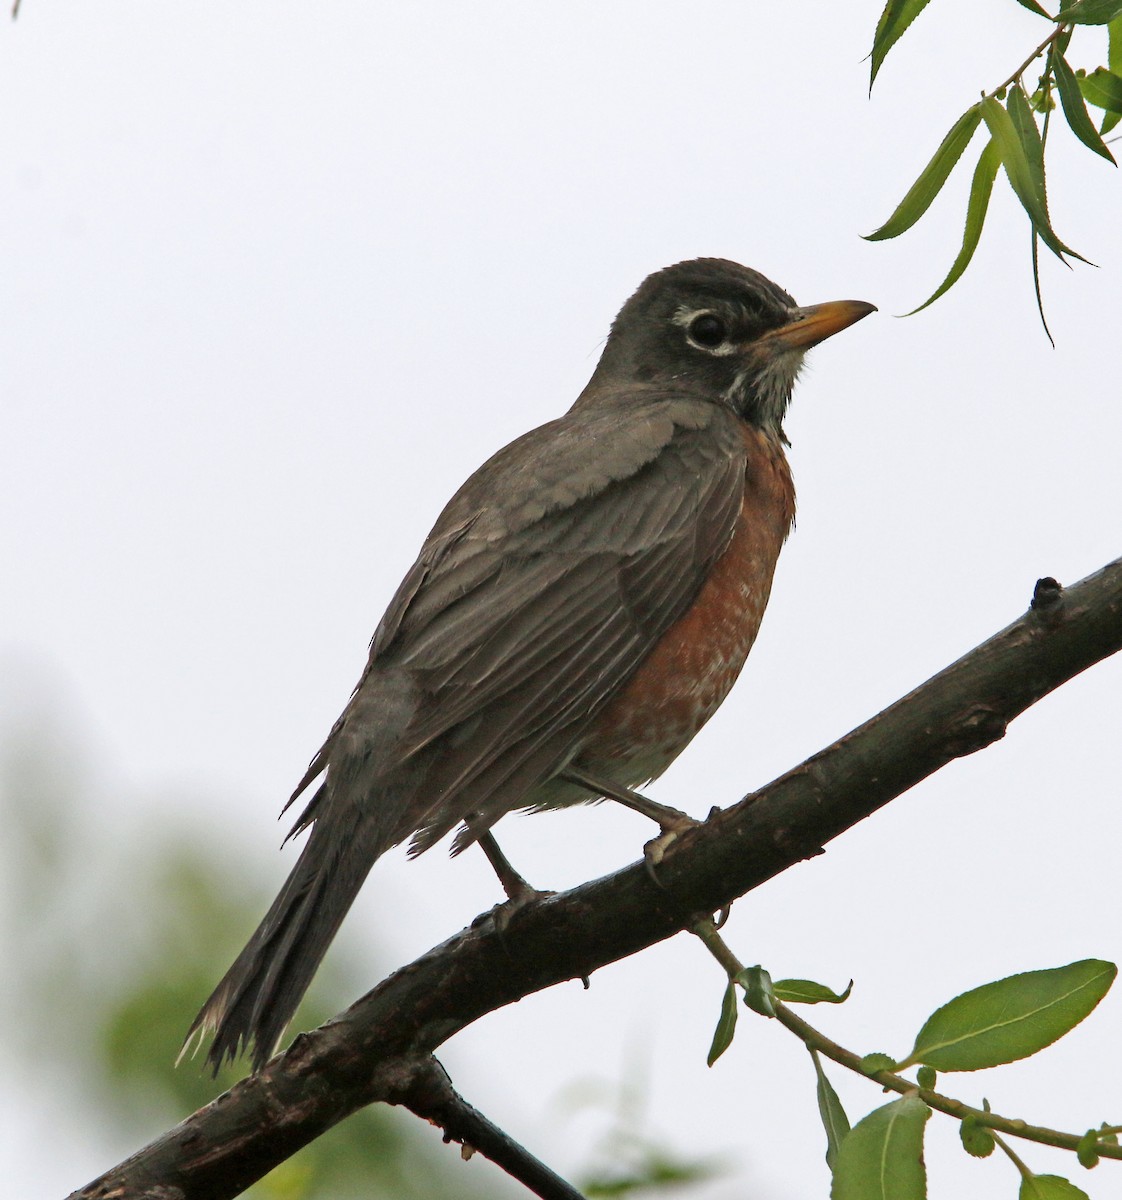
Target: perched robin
column 580, row 609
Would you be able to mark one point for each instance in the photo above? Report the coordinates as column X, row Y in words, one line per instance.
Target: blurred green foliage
column 114, row 937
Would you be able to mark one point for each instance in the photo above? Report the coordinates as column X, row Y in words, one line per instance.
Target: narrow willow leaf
column 1090, row 12
column 1075, row 108
column 931, row 178
column 882, row 1158
column 1114, row 62
column 834, row 1120
column 1020, row 173
column 893, row 24
column 980, row 190
column 1012, row 1018
column 1103, row 89
column 726, row 1025
column 806, row 991
column 1032, row 6
column 1049, row 1187
column 1036, row 288
column 1024, row 122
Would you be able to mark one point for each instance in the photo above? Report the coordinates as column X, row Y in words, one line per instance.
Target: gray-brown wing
column 544, row 585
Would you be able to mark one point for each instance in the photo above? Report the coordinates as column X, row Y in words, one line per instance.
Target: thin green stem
column 1013, row 1158
column 706, row 930
column 814, row 1040
column 1044, row 45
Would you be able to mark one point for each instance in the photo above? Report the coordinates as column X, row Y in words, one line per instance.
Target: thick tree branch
column 370, row 1052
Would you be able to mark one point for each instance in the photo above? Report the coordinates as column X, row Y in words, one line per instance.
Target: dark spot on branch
column 1047, row 594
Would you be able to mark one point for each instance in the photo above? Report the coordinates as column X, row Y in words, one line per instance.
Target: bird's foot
column 500, row 915
column 518, row 892
column 672, row 823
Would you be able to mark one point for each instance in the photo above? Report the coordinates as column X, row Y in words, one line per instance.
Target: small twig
column 936, row 1100
column 1044, row 45
column 814, row 1040
column 430, row 1095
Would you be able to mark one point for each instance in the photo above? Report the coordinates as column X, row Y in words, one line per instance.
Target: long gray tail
column 258, row 995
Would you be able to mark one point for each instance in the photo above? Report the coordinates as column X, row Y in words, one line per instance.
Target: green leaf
column 1049, row 1187
column 893, row 23
column 1075, row 108
column 977, row 1140
column 980, row 190
column 882, row 1158
column 834, row 1120
column 1087, row 1152
column 726, row 1025
column 1114, row 62
column 759, row 994
column 926, row 1078
column 1021, row 173
column 806, row 991
column 1090, row 12
column 1024, row 122
column 1036, row 287
column 931, row 178
column 1032, row 6
column 872, row 1063
column 1012, row 1018
column 1103, row 89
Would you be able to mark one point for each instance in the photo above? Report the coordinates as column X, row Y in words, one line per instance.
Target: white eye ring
column 706, row 330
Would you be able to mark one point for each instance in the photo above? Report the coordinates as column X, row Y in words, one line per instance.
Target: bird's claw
column 655, row 849
column 501, row 915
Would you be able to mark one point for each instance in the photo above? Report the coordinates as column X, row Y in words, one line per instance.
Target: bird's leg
column 672, row 821
column 516, row 888
column 518, row 892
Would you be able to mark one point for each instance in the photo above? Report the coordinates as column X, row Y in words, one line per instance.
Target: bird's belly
column 691, row 670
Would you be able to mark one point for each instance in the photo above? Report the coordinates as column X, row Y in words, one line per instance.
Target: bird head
column 713, row 327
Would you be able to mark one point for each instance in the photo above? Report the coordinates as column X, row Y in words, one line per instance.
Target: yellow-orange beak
column 814, row 324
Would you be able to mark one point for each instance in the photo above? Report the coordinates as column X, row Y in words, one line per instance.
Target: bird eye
column 707, row 331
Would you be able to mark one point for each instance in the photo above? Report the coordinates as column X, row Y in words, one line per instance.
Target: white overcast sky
column 275, row 277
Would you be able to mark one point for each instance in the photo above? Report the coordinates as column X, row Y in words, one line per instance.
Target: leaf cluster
column 881, row 1157
column 1016, row 117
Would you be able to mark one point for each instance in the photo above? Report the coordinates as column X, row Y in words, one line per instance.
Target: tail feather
column 258, row 995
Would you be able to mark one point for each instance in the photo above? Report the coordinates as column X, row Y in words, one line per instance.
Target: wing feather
column 531, row 605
